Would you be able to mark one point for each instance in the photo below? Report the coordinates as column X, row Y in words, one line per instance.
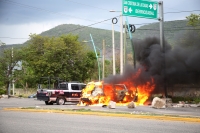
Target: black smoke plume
column 179, row 64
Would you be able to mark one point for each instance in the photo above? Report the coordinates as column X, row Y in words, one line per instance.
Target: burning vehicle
column 103, row 93
column 120, row 90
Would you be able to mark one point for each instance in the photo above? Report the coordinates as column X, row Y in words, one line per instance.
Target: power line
column 69, row 31
column 49, row 11
column 41, row 9
column 13, row 38
column 110, row 19
column 182, row 11
column 172, row 8
column 109, row 10
column 91, row 24
column 171, row 29
column 78, row 17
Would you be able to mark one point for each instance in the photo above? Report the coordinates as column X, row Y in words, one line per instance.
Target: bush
column 189, row 99
column 11, row 92
column 197, row 100
column 2, row 91
column 20, row 95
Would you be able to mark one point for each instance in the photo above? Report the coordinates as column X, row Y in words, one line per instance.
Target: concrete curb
column 111, row 114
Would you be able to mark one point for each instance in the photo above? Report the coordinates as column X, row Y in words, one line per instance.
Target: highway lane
column 26, row 102
column 30, row 122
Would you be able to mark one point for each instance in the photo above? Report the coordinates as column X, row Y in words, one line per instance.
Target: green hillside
column 84, row 33
column 171, row 29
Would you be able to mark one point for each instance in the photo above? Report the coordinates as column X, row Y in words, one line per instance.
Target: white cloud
column 17, row 34
column 20, row 33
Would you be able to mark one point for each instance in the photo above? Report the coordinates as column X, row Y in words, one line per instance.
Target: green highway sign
column 140, row 8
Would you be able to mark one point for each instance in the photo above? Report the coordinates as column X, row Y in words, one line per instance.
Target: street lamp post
column 121, row 45
column 121, row 42
column 113, row 47
column 99, row 69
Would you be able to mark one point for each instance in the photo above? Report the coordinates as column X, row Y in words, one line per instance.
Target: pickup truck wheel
column 60, row 101
column 48, row 103
column 51, row 103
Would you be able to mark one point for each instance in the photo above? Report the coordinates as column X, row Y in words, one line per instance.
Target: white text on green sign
column 140, row 8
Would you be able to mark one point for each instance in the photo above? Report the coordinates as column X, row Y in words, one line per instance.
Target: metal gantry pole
column 121, row 45
column 133, row 48
column 161, row 19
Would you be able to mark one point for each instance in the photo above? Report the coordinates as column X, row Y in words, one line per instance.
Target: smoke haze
column 179, row 64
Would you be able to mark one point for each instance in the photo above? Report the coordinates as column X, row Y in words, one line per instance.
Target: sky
column 20, row 18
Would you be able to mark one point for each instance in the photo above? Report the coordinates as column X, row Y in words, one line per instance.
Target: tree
column 64, row 57
column 25, row 77
column 108, row 68
column 193, row 19
column 8, row 61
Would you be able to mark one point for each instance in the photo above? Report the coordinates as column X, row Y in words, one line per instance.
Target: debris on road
column 131, row 105
column 158, row 103
column 184, row 104
column 104, row 106
column 4, row 96
column 195, row 105
column 112, row 105
column 169, row 102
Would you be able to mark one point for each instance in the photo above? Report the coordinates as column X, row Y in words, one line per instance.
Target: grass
column 106, row 112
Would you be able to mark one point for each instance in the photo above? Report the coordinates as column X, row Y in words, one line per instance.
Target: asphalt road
column 25, row 102
column 30, row 122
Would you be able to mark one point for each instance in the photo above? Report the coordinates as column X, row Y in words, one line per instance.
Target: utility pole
column 103, row 60
column 125, row 44
column 13, row 84
column 121, row 45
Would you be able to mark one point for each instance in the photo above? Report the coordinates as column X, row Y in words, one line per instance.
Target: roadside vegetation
column 64, row 57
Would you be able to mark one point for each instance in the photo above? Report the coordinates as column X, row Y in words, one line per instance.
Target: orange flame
column 122, row 93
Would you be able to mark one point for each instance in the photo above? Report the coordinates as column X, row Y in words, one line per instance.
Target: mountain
column 84, row 32
column 171, row 29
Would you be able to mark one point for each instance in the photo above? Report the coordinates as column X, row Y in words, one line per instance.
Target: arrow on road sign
column 130, row 10
column 150, row 6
